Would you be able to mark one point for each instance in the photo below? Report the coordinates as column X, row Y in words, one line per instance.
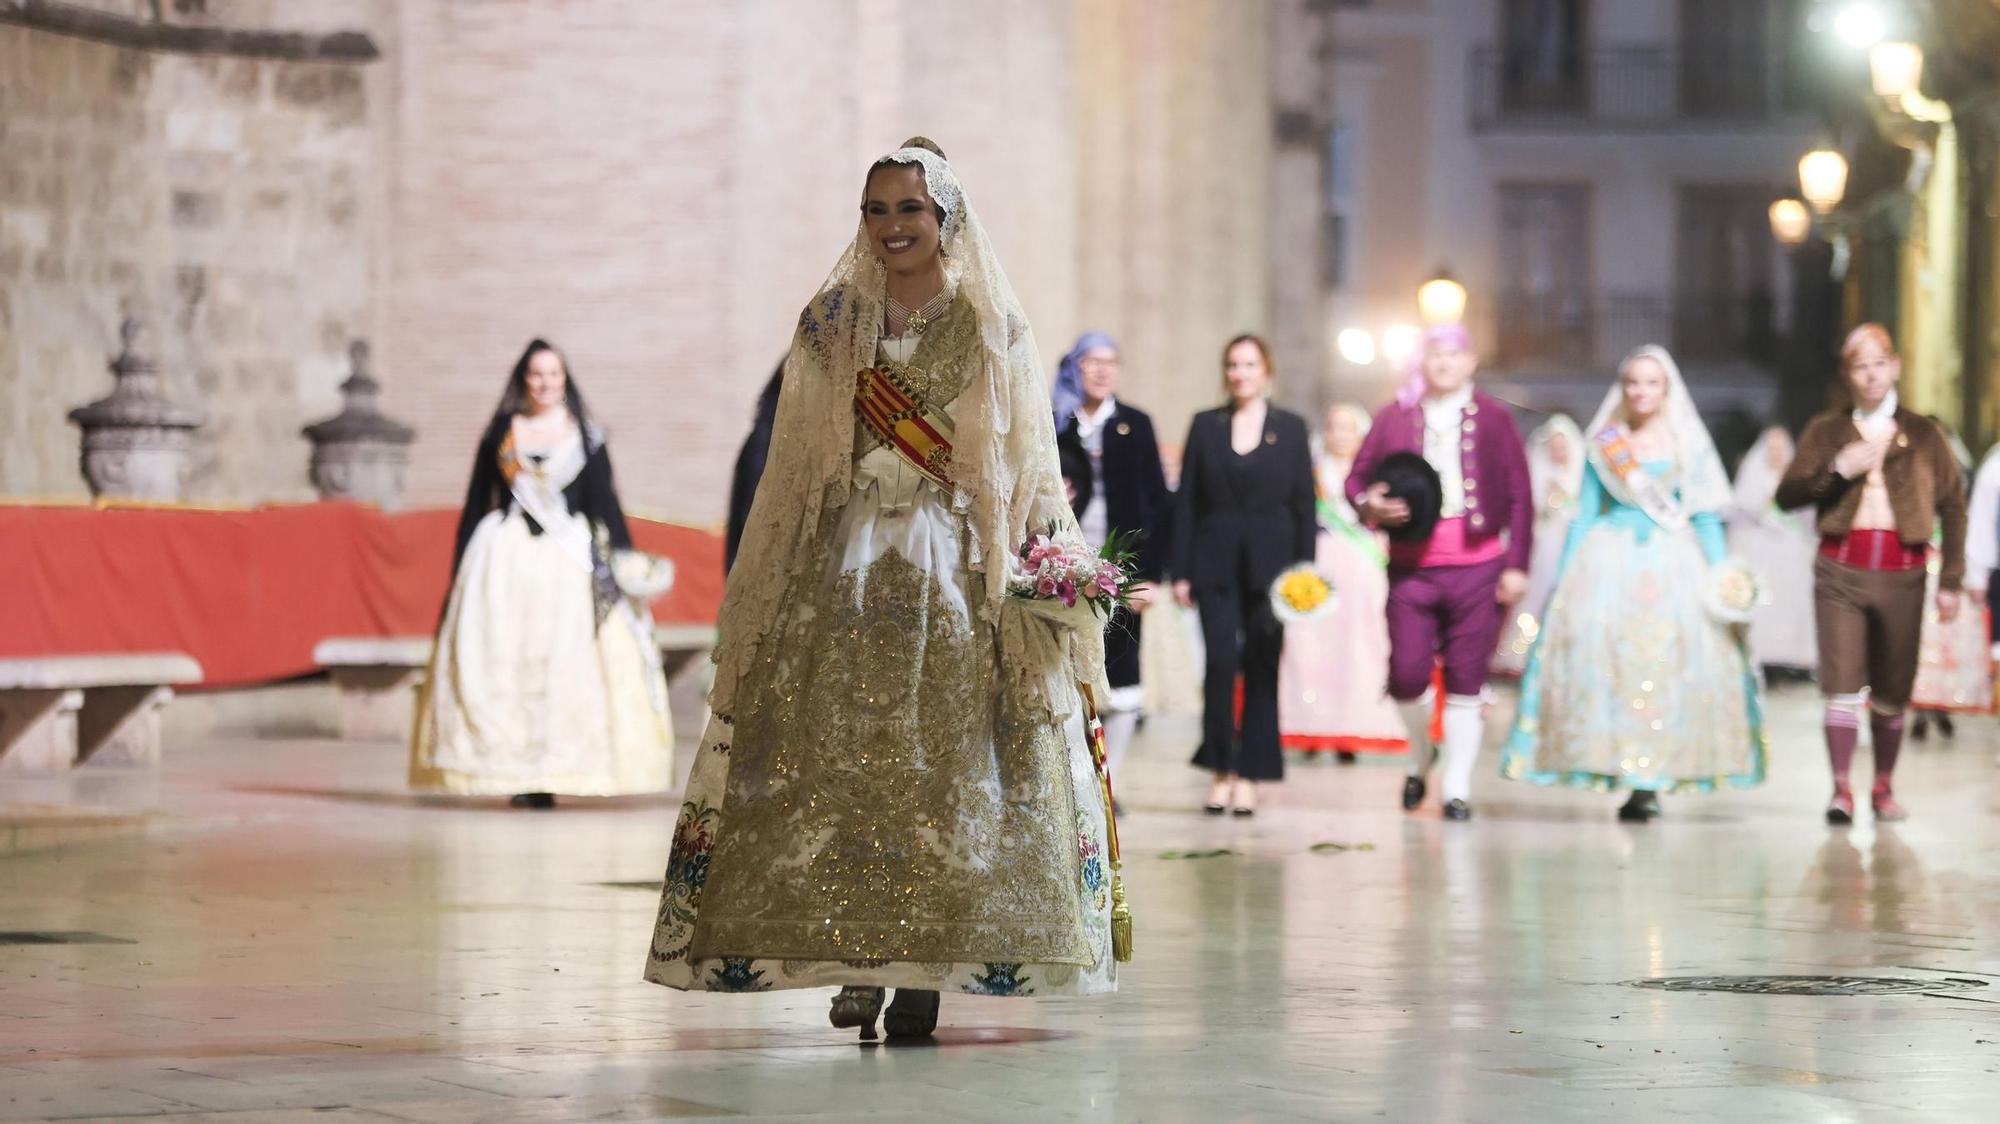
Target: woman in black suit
column 1245, row 511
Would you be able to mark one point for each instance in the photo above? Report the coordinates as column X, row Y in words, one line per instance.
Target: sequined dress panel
column 1631, row 683
column 873, row 813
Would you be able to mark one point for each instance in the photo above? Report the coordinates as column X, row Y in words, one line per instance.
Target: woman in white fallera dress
column 1781, row 545
column 1333, row 677
column 545, row 679
column 896, row 788
column 1555, row 474
column 1954, row 658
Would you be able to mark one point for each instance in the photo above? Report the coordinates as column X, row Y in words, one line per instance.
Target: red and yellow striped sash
column 921, row 436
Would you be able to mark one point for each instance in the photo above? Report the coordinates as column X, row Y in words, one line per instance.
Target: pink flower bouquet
column 1069, row 582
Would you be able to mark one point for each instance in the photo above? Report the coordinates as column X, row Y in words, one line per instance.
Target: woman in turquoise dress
column 1632, row 683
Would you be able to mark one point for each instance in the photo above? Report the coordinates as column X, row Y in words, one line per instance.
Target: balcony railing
column 1585, row 332
column 1629, row 88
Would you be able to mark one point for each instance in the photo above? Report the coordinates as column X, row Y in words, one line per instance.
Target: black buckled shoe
column 1414, row 789
column 1457, row 810
column 1641, row 807
column 913, row 1013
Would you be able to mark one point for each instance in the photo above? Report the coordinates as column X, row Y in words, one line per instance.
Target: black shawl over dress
column 1240, row 521
column 592, row 494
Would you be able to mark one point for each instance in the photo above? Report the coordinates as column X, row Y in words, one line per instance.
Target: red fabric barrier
column 249, row 593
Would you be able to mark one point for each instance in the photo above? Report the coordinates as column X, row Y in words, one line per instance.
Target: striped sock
column 1843, row 731
column 1887, row 730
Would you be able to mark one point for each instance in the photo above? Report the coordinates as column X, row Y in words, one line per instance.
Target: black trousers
column 1121, row 649
column 1243, row 637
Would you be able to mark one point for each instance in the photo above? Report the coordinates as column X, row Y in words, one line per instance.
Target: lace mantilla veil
column 1697, row 474
column 1003, row 458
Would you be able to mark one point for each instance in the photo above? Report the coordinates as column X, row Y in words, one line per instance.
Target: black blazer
column 1259, row 523
column 1135, row 486
column 750, row 467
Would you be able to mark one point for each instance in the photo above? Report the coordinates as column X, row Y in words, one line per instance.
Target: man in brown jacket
column 1883, row 480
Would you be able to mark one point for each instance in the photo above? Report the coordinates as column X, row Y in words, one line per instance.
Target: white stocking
column 1464, row 730
column 1417, row 721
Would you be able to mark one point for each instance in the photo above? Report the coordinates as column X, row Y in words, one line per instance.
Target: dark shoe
column 1457, row 810
column 1242, row 813
column 541, row 801
column 1215, row 809
column 1346, row 757
column 857, row 1006
column 1945, row 729
column 1920, row 727
column 1413, row 793
column 1840, row 810
column 912, row 1014
column 1642, row 807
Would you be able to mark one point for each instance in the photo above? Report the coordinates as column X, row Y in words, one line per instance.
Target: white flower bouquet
column 1733, row 591
column 641, row 575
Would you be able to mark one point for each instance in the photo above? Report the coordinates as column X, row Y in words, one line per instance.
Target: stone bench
column 377, row 678
column 682, row 644
column 58, row 712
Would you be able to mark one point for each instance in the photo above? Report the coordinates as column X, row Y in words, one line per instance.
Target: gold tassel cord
column 1121, row 911
column 1121, row 920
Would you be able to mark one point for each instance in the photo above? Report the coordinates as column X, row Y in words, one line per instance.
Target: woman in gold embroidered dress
column 896, row 788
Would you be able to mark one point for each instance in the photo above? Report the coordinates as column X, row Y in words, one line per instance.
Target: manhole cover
column 1809, row 985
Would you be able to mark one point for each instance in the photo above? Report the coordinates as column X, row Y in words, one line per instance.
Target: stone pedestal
column 121, row 726
column 136, row 439
column 38, row 730
column 58, row 712
column 359, row 454
column 378, row 680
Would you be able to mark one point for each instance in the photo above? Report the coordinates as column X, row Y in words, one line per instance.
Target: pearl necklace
column 915, row 321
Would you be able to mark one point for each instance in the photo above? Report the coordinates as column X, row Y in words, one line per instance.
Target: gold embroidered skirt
column 873, row 814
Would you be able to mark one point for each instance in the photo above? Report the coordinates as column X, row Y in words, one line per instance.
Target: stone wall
column 224, row 200
column 659, row 188
column 656, row 187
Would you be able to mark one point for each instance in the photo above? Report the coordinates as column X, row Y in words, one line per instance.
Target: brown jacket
column 1926, row 487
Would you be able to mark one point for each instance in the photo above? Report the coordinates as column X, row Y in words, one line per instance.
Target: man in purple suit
column 1449, row 592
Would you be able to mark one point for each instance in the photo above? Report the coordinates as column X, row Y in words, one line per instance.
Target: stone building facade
column 656, row 187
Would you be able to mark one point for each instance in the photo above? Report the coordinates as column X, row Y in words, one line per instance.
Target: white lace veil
column 1756, row 480
column 1003, row 458
column 1696, row 482
column 1543, row 471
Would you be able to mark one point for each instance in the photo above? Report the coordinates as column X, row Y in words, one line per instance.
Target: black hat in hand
column 1411, row 479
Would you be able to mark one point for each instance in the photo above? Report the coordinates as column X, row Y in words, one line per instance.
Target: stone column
column 135, row 440
column 360, row 454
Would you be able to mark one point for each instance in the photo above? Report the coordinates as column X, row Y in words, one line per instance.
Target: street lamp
column 1791, row 221
column 1861, row 24
column 1896, row 69
column 1356, row 346
column 1441, row 300
column 1823, row 178
column 1399, row 342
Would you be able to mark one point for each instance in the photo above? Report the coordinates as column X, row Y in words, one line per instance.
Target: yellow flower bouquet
column 1302, row 593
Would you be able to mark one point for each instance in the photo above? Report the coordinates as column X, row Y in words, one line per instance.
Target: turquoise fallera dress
column 1631, row 684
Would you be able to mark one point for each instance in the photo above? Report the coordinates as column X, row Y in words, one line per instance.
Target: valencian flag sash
column 921, row 435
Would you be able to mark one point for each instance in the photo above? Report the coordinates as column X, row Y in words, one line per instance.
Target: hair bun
column 927, row 144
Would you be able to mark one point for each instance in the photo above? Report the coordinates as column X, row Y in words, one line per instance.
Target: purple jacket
column 1492, row 457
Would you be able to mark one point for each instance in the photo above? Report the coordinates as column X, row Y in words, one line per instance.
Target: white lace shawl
column 1697, row 481
column 1004, row 461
